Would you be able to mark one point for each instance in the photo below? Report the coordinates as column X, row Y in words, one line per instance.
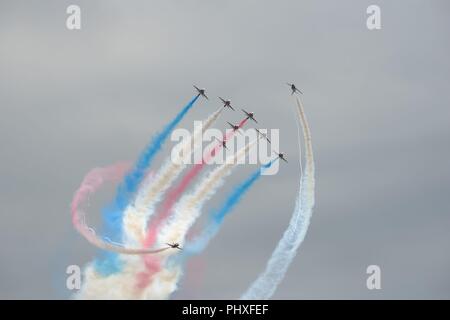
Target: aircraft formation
column 236, row 128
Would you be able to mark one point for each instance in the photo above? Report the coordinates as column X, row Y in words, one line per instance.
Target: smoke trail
column 113, row 214
column 122, row 285
column 135, row 218
column 119, row 285
column 90, row 184
column 173, row 262
column 189, row 207
column 175, row 193
column 267, row 282
column 216, row 217
column 188, row 210
column 125, row 191
column 156, row 276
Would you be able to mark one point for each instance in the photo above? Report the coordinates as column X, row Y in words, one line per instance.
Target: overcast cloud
column 377, row 102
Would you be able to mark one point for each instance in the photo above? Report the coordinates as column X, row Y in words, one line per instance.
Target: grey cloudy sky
column 377, row 102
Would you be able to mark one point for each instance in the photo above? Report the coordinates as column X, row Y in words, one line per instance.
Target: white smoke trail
column 124, row 285
column 189, row 207
column 90, row 184
column 187, row 211
column 137, row 215
column 164, row 281
column 265, row 285
column 90, row 235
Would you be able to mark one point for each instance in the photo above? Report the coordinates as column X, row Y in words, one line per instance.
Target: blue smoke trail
column 216, row 217
column 113, row 213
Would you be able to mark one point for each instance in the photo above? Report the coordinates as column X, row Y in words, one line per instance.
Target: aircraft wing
column 260, row 134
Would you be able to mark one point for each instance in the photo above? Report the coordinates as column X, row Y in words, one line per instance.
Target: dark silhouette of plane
column 174, row 245
column 281, row 156
column 234, row 126
column 294, row 88
column 263, row 135
column 223, row 142
column 201, row 92
column 250, row 115
column 226, row 103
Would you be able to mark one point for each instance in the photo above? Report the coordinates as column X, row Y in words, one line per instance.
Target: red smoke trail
column 175, row 193
column 91, row 183
column 152, row 266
